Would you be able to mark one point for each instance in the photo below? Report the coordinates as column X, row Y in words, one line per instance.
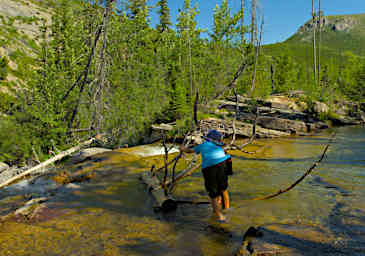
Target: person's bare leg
column 219, row 199
column 225, row 199
column 216, row 209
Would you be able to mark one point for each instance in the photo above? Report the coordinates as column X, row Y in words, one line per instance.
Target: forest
column 101, row 67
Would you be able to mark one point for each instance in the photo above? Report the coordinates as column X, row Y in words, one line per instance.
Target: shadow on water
column 301, row 247
column 318, row 181
column 143, row 246
column 346, row 225
column 349, row 224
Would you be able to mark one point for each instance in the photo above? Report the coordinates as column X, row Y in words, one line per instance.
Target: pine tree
column 165, row 19
column 226, row 27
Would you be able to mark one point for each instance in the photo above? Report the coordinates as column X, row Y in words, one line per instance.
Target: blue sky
column 282, row 17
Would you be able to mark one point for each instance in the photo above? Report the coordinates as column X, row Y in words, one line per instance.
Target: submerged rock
column 29, row 206
column 86, row 153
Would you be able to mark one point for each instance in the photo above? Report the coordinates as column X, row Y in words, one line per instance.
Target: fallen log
column 48, row 162
column 164, row 202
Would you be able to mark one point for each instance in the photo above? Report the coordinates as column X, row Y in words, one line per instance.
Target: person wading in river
column 214, row 170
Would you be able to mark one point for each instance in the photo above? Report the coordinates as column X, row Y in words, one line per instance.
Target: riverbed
column 113, row 213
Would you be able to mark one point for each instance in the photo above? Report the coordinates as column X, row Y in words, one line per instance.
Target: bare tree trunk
column 97, row 120
column 242, row 24
column 319, row 42
column 86, row 71
column 253, row 21
column 272, row 72
column 258, row 48
column 314, row 41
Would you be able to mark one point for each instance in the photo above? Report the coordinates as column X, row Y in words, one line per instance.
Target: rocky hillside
column 20, row 22
column 346, row 32
column 340, row 34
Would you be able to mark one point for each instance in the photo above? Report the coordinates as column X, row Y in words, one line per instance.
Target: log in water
column 165, row 203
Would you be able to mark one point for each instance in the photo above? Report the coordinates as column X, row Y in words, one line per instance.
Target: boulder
column 312, row 127
column 320, row 107
column 283, row 102
column 245, row 113
column 281, row 124
column 10, row 172
column 3, row 167
column 30, row 206
column 242, row 129
column 86, row 153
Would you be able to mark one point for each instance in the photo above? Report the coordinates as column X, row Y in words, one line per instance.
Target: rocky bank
column 278, row 116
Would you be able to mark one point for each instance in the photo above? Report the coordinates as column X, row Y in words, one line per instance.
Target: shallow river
column 113, row 214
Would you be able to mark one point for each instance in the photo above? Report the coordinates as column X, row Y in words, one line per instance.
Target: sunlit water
column 113, row 214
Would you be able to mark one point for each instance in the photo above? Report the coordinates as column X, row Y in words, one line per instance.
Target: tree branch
column 282, row 191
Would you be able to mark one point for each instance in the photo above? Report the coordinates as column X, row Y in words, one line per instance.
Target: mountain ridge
column 338, row 32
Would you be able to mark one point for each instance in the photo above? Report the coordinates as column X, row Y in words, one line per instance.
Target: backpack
column 228, row 167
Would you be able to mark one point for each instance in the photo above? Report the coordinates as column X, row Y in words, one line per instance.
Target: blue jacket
column 211, row 154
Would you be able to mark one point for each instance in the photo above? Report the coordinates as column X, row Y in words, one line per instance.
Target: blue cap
column 214, row 136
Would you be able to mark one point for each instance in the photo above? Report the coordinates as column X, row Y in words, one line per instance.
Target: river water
column 113, row 214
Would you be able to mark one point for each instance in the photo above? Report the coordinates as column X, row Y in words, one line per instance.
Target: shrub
column 4, row 68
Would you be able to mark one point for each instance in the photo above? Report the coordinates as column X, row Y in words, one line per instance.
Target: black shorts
column 215, row 179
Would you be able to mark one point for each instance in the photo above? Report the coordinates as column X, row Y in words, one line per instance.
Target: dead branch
column 166, row 157
column 168, row 164
column 87, row 68
column 282, row 191
column 231, row 84
column 235, row 118
column 48, row 162
column 256, row 59
column 195, row 116
column 185, row 173
column 250, row 140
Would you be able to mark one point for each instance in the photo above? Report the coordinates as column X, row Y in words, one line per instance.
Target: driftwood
column 164, row 202
column 251, row 139
column 48, row 162
column 188, row 171
column 282, row 191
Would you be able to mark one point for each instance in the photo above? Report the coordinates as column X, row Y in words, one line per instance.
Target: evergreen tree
column 165, row 20
column 286, row 74
column 226, row 27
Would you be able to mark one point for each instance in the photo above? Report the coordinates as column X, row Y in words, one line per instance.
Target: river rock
column 242, row 129
column 245, row 112
column 29, row 206
column 280, row 124
column 10, row 172
column 86, row 153
column 312, row 127
column 3, row 167
column 284, row 102
column 293, row 240
column 320, row 107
